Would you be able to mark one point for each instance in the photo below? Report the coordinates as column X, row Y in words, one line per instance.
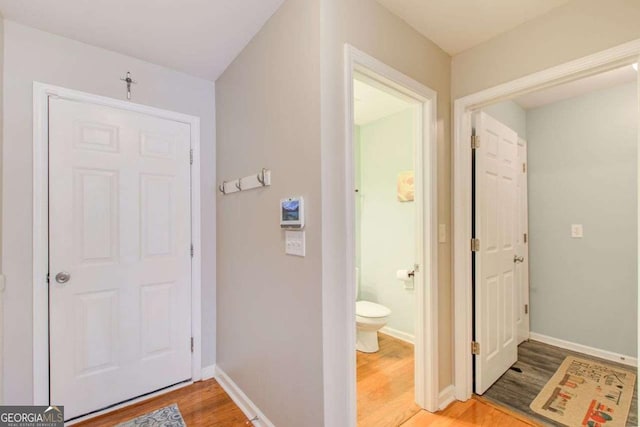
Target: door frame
column 41, row 94
column 426, row 334
column 624, row 54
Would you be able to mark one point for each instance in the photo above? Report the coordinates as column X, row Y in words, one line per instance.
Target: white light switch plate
column 442, row 233
column 577, row 232
column 294, row 243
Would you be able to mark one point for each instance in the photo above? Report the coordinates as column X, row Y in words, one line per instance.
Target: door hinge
column 475, row 142
column 191, row 156
column 48, row 278
column 526, row 237
column 475, row 348
column 475, row 245
column 524, row 168
column 526, row 309
column 191, row 344
column 192, row 250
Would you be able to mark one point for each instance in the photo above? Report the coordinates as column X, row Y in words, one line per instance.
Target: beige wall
column 577, row 29
column 281, row 105
column 371, row 28
column 32, row 55
column 269, row 303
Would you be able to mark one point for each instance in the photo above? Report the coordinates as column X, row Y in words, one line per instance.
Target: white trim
column 446, row 397
column 402, row 336
column 242, row 400
column 208, row 372
column 129, row 403
column 41, row 94
column 624, row 54
column 426, row 280
column 584, row 349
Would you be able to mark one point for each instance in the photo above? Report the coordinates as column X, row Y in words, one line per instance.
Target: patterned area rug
column 168, row 416
column 587, row 393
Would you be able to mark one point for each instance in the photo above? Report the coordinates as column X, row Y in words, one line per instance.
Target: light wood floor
column 385, row 399
column 386, row 395
column 201, row 404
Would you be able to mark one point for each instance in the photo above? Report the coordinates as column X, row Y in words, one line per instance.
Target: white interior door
column 119, row 214
column 495, row 220
column 522, row 247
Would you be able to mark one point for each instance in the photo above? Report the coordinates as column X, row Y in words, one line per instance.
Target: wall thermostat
column 292, row 213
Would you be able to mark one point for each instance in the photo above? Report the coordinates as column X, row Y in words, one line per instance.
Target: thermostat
column 292, row 213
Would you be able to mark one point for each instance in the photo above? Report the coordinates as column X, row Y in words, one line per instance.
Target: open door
column 522, row 247
column 496, row 207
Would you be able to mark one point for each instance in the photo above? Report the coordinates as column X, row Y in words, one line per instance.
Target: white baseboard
column 239, row 398
column 446, row 397
column 596, row 352
column 402, row 336
column 208, row 372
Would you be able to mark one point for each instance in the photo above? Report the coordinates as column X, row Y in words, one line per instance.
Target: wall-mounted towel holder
column 261, row 179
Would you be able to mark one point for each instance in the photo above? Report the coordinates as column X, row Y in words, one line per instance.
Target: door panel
column 496, row 204
column 120, row 224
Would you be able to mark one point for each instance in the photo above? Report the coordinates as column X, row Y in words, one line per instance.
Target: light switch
column 294, row 243
column 577, row 231
column 442, row 233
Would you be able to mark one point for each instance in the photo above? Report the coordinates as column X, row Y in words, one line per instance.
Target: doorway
column 515, row 239
column 582, row 170
column 418, row 285
column 116, row 232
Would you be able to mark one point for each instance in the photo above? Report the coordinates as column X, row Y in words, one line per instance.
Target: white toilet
column 370, row 317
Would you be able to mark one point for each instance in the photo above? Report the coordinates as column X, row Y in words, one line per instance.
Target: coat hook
column 221, row 187
column 239, row 184
column 260, row 177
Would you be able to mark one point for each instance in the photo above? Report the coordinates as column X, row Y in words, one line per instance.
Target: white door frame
column 426, row 336
column 624, row 54
column 41, row 94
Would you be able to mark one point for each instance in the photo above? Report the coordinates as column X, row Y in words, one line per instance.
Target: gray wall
column 510, row 114
column 31, row 55
column 583, row 170
column 269, row 303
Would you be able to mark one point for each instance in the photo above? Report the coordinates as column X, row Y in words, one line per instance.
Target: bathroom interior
column 386, row 128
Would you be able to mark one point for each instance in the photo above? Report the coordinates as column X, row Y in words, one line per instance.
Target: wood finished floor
column 538, row 363
column 201, row 404
column 386, row 395
column 385, row 399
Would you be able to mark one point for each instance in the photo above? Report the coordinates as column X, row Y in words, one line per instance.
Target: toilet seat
column 371, row 309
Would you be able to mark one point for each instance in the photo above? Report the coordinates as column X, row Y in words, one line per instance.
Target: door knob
column 517, row 258
column 63, row 277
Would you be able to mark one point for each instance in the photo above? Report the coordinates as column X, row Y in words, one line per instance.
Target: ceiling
column 372, row 103
column 198, row 37
column 458, row 25
column 626, row 74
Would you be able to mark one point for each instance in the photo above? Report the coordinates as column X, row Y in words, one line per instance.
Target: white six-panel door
column 495, row 218
column 119, row 213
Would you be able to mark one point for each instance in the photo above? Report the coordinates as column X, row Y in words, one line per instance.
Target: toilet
column 370, row 317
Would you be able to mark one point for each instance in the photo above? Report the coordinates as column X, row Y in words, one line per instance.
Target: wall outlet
column 577, row 232
column 294, row 243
